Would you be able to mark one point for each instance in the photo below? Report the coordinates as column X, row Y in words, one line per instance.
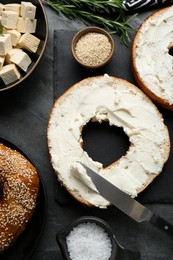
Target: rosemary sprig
column 94, row 12
column 97, row 5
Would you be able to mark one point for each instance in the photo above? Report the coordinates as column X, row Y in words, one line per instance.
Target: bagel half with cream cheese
column 152, row 60
column 106, row 98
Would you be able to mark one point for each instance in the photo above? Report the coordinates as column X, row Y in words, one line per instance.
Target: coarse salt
column 93, row 48
column 89, row 241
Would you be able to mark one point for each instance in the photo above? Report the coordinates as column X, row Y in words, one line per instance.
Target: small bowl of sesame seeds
column 92, row 47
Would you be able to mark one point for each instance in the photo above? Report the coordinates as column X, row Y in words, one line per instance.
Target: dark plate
column 41, row 33
column 27, row 242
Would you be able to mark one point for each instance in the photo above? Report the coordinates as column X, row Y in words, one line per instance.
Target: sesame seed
column 93, row 48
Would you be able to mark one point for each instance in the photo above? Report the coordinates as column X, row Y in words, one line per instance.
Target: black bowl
column 118, row 252
column 41, row 33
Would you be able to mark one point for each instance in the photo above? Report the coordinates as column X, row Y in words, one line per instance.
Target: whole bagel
column 19, row 185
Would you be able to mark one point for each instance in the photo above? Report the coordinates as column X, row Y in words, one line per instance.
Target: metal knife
column 125, row 203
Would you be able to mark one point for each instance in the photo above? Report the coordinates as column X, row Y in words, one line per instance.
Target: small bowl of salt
column 92, row 47
column 91, row 238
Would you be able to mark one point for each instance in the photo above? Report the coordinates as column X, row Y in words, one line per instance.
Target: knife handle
column 162, row 224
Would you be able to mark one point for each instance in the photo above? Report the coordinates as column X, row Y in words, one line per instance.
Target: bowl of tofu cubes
column 23, row 38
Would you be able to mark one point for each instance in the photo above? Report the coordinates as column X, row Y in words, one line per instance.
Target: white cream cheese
column 123, row 105
column 153, row 61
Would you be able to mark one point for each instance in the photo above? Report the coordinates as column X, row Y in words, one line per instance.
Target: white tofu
column 28, row 10
column 21, row 59
column 2, row 59
column 5, row 44
column 15, row 36
column 9, row 73
column 29, row 42
column 1, row 8
column 26, row 25
column 9, row 55
column 18, row 47
column 9, row 19
column 12, row 7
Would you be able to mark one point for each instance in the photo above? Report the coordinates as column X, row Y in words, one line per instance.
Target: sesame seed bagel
column 19, row 185
column 152, row 61
column 106, row 98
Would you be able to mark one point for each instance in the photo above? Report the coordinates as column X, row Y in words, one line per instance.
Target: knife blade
column 126, row 203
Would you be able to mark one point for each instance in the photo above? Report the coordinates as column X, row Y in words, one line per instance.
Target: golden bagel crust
column 19, row 184
column 146, row 88
column 136, row 91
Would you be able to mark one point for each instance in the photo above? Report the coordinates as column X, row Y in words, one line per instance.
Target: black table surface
column 24, row 113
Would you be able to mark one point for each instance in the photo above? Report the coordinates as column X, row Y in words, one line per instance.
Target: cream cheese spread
column 123, row 105
column 153, row 61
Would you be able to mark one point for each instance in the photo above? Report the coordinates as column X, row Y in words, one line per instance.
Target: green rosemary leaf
column 94, row 12
column 98, row 5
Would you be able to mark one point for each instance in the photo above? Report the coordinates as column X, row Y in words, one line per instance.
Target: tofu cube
column 9, row 55
column 15, row 36
column 9, row 73
column 2, row 59
column 21, row 59
column 28, row 10
column 29, row 42
column 12, row 7
column 9, row 19
column 1, row 8
column 5, row 44
column 26, row 25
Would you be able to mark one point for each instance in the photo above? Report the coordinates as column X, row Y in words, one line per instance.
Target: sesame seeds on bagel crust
column 19, row 186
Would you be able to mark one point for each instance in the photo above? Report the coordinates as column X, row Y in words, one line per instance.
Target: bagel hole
column 104, row 143
column 171, row 51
